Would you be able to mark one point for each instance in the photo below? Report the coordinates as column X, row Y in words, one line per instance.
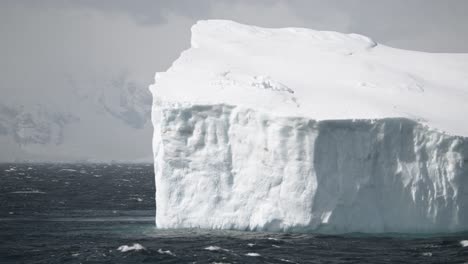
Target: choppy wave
column 90, row 218
column 134, row 247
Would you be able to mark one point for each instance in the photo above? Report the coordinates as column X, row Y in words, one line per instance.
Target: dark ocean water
column 72, row 213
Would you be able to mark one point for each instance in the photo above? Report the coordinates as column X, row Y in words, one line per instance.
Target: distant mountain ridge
column 111, row 123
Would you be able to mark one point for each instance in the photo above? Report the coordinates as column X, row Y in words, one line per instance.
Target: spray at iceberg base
column 222, row 166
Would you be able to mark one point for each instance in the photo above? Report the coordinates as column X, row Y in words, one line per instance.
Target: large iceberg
column 302, row 130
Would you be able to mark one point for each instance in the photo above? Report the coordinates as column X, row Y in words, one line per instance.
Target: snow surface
column 296, row 129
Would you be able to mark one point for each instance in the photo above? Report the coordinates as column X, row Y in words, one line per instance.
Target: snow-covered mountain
column 109, row 121
column 275, row 129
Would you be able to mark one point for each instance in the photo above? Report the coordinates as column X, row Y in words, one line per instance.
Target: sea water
column 104, row 213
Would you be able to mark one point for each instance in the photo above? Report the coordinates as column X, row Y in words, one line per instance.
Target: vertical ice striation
column 219, row 166
column 302, row 130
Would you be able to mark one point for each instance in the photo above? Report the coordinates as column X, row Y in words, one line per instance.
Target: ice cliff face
column 240, row 141
column 221, row 166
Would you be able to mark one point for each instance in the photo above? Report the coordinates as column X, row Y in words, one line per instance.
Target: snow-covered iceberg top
column 318, row 74
column 295, row 129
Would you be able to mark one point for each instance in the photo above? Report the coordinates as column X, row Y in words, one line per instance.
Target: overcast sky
column 45, row 44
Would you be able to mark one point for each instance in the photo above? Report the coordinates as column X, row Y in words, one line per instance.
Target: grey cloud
column 426, row 25
column 148, row 11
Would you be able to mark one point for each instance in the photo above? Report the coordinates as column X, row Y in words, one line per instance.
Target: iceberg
column 293, row 129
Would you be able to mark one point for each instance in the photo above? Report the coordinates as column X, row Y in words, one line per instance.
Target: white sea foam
column 134, row 247
column 29, row 192
column 464, row 243
column 288, row 261
column 213, row 248
column 166, row 252
column 216, row 248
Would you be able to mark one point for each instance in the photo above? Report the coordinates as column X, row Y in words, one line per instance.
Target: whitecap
column 216, row 248
column 134, row 247
column 252, row 254
column 28, row 192
column 287, row 260
column 166, row 252
column 427, row 254
column 212, row 248
column 464, row 243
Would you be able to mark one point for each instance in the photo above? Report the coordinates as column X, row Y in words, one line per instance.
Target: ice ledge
column 325, row 75
column 160, row 104
column 221, row 166
column 217, row 33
